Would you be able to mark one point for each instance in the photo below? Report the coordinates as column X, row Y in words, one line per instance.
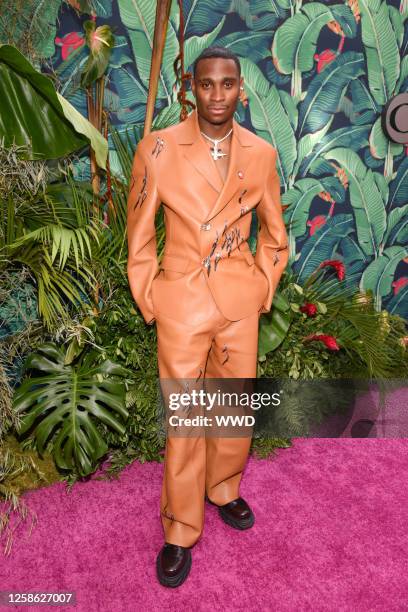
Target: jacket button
column 206, row 226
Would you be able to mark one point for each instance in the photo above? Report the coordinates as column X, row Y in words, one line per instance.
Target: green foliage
column 119, row 329
column 30, row 25
column 100, row 42
column 58, row 130
column 371, row 342
column 49, row 231
column 62, row 400
column 263, row 447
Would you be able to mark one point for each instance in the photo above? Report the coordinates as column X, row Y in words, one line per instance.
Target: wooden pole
column 159, row 39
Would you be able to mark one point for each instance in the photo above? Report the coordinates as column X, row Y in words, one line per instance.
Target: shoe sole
column 177, row 579
column 243, row 524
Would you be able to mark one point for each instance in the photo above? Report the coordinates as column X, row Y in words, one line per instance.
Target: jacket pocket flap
column 174, row 262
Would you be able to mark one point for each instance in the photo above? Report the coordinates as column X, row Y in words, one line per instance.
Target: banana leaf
column 34, row 115
column 379, row 275
column 381, row 48
column 366, row 199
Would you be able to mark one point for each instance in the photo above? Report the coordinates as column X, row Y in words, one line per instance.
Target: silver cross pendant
column 216, row 152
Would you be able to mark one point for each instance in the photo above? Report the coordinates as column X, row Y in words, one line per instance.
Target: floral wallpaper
column 317, row 76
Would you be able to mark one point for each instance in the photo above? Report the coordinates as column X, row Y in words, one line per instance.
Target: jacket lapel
column 197, row 154
column 240, row 156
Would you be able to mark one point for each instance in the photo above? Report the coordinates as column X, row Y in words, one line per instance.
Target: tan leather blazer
column 207, row 225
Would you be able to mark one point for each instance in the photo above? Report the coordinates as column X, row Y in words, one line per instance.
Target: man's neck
column 214, row 130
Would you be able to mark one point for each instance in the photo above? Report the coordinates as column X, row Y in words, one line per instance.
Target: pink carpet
column 331, row 533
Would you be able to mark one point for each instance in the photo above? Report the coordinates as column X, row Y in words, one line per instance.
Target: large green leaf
column 259, row 14
column 378, row 276
column 399, row 186
column 272, row 330
column 398, row 303
column 380, row 145
column 34, row 115
column 294, row 43
column 365, row 198
column 326, row 90
column 397, row 227
column 139, row 16
column 381, row 47
column 33, row 25
column 354, row 137
column 195, row 44
column 322, row 244
column 269, row 118
column 83, row 126
column 299, row 199
column 307, row 143
column 201, row 16
column 253, row 45
column 363, row 102
column 62, row 402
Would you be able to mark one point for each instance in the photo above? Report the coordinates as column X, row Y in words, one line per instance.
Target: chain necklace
column 216, row 153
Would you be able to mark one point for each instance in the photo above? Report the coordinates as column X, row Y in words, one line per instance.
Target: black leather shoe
column 173, row 564
column 236, row 513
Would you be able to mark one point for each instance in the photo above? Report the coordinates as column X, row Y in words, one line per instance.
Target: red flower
column 315, row 223
column 329, row 341
column 309, row 309
column 68, row 43
column 337, row 265
column 399, row 284
column 324, row 58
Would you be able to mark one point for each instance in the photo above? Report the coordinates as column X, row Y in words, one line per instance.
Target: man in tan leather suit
column 207, row 294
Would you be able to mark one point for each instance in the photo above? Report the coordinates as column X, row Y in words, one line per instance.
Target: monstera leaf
column 33, row 114
column 378, row 276
column 381, row 47
column 366, row 199
column 63, row 401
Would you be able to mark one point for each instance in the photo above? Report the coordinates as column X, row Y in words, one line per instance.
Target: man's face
column 216, row 88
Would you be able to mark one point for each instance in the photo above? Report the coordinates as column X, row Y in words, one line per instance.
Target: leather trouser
column 195, row 466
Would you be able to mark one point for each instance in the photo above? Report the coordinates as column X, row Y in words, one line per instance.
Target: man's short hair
column 216, row 51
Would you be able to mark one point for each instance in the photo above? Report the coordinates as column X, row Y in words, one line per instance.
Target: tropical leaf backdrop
column 317, row 76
